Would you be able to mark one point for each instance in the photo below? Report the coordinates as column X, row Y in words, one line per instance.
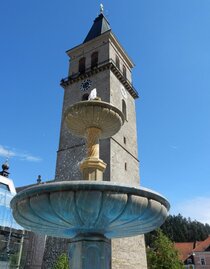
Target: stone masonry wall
column 127, row 252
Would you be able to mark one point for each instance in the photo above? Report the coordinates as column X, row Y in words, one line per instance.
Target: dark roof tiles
column 100, row 26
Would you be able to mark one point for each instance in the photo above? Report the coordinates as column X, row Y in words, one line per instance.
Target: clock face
column 85, row 85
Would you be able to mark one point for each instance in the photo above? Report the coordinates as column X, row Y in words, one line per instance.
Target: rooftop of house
column 186, row 249
column 203, row 245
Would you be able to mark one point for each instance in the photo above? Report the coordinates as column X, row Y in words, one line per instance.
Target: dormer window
column 189, row 261
column 124, row 72
column 117, row 62
column 82, row 65
column 94, row 59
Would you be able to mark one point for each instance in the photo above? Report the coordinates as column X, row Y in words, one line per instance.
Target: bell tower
column 101, row 62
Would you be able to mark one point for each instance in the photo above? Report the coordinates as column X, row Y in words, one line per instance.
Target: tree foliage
column 162, row 254
column 13, row 260
column 62, row 262
column 180, row 229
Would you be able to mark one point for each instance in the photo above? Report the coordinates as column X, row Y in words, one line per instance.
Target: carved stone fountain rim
column 96, row 103
column 84, row 185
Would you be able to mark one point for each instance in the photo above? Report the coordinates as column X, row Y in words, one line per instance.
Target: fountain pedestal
column 94, row 252
column 92, row 169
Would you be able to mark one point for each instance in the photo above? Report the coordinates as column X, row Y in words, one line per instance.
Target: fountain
column 90, row 211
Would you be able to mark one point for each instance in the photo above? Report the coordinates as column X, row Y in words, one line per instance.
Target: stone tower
column 100, row 62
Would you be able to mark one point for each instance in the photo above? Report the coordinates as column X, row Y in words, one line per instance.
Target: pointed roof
column 100, row 26
column 203, row 245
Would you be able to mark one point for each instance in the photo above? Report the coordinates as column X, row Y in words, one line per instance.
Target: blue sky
column 169, row 41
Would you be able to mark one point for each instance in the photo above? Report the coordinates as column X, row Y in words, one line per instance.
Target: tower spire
column 100, row 26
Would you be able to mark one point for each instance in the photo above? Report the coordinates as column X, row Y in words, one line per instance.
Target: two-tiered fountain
column 90, row 211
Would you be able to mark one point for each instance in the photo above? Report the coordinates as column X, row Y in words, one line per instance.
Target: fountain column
column 93, row 135
column 94, row 252
column 92, row 167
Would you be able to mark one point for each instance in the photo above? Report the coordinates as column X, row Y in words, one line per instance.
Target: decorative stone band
column 108, row 64
column 96, row 114
column 68, row 209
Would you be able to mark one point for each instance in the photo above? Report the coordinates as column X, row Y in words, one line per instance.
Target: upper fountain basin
column 70, row 208
column 86, row 114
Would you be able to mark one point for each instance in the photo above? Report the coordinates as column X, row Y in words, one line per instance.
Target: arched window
column 82, row 65
column 124, row 72
column 94, row 59
column 117, row 62
column 85, row 96
column 124, row 109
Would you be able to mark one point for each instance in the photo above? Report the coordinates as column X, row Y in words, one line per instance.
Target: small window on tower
column 124, row 109
column 94, row 59
column 117, row 62
column 124, row 140
column 124, row 72
column 82, row 65
column 125, row 166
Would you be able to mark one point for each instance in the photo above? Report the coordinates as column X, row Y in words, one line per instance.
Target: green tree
column 13, row 261
column 180, row 229
column 62, row 262
column 162, row 254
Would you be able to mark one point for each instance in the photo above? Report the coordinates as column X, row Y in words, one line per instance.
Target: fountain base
column 94, row 252
column 93, row 168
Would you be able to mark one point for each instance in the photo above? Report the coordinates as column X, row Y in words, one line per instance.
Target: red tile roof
column 185, row 249
column 203, row 245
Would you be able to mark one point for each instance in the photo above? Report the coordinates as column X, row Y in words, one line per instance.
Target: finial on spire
column 39, row 179
column 101, row 8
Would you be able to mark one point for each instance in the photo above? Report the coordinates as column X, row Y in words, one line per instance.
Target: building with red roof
column 195, row 255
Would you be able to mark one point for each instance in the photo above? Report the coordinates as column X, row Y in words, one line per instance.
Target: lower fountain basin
column 70, row 208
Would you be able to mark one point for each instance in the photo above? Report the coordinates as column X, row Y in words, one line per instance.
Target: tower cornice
column 108, row 64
